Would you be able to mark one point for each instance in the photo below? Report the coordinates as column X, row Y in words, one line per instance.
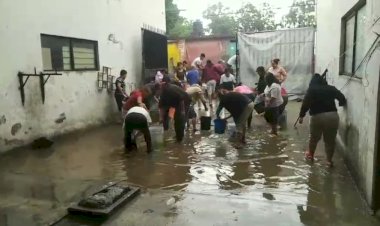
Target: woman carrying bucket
column 240, row 108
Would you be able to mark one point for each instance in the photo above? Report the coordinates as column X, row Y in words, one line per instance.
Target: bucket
column 219, row 126
column 205, row 123
column 231, row 127
column 282, row 120
column 157, row 136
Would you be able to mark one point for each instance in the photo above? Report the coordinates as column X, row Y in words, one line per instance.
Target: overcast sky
column 194, row 8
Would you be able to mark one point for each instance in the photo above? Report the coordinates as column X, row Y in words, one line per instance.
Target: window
column 353, row 45
column 68, row 54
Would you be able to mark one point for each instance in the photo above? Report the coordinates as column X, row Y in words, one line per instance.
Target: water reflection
column 268, row 177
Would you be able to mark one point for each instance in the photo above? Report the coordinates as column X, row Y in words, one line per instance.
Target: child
column 273, row 101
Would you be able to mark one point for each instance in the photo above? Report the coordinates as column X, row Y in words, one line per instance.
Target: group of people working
column 177, row 96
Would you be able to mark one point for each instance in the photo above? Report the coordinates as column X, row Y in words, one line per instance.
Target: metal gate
column 294, row 48
column 155, row 53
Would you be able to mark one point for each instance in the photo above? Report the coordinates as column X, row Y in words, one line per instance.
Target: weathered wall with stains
column 72, row 100
column 358, row 120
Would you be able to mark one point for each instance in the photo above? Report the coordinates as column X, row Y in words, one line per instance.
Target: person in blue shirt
column 193, row 77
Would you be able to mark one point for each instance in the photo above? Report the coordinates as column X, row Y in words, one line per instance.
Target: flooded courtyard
column 204, row 181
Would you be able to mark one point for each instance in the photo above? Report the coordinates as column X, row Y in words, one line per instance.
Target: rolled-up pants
column 325, row 124
column 241, row 122
column 179, row 120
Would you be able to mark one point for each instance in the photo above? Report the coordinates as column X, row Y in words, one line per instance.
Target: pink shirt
column 243, row 89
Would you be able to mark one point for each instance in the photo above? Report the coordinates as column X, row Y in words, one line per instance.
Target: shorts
column 191, row 113
column 211, row 86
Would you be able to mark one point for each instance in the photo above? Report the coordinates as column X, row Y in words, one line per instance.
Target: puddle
column 205, row 170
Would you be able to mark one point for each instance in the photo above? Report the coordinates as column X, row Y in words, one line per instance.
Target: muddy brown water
column 208, row 180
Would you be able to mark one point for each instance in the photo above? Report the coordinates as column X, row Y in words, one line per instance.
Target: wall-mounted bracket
column 43, row 81
column 106, row 80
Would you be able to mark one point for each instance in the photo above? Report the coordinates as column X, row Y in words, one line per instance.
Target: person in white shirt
column 137, row 119
column 198, row 62
column 233, row 62
column 273, row 101
column 228, row 80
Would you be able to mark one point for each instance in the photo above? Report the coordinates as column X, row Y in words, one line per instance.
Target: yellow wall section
column 173, row 53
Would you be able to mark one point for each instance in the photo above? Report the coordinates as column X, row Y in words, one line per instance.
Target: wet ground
column 204, row 181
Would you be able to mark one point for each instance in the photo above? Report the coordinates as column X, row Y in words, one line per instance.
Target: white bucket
column 157, row 135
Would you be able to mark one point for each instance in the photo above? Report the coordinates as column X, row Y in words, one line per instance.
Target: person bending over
column 196, row 94
column 138, row 98
column 247, row 91
column 137, row 120
column 175, row 97
column 240, row 108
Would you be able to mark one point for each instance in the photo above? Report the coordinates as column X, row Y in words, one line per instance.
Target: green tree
column 222, row 20
column 301, row 14
column 182, row 29
column 251, row 19
column 172, row 15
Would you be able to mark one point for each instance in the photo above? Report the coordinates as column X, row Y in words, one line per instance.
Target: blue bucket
column 219, row 126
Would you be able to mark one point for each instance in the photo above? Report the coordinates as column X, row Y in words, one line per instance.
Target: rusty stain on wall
column 61, row 118
column 16, row 128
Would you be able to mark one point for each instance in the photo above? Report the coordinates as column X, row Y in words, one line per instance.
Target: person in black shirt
column 240, row 108
column 173, row 96
column 120, row 93
column 320, row 102
column 261, row 84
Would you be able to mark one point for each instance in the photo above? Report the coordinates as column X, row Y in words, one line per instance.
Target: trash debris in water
column 170, row 202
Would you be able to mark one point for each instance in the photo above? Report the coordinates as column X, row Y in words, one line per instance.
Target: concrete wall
column 358, row 120
column 75, row 93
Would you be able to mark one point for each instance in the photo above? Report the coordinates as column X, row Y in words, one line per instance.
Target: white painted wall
column 358, row 120
column 74, row 93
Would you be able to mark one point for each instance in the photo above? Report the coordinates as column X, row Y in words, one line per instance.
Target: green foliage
column 222, row 20
column 172, row 14
column 182, row 29
column 301, row 14
column 251, row 19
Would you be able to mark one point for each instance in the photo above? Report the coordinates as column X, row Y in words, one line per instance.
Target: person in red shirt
column 219, row 68
column 211, row 78
column 136, row 99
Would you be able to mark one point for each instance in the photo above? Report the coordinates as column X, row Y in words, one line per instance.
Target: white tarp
column 294, row 48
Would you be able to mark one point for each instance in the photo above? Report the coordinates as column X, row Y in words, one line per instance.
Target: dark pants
column 179, row 121
column 132, row 122
column 283, row 105
column 251, row 97
column 119, row 101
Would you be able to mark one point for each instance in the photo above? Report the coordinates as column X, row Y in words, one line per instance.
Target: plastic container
column 231, row 128
column 219, row 126
column 205, row 123
column 283, row 120
column 157, row 136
